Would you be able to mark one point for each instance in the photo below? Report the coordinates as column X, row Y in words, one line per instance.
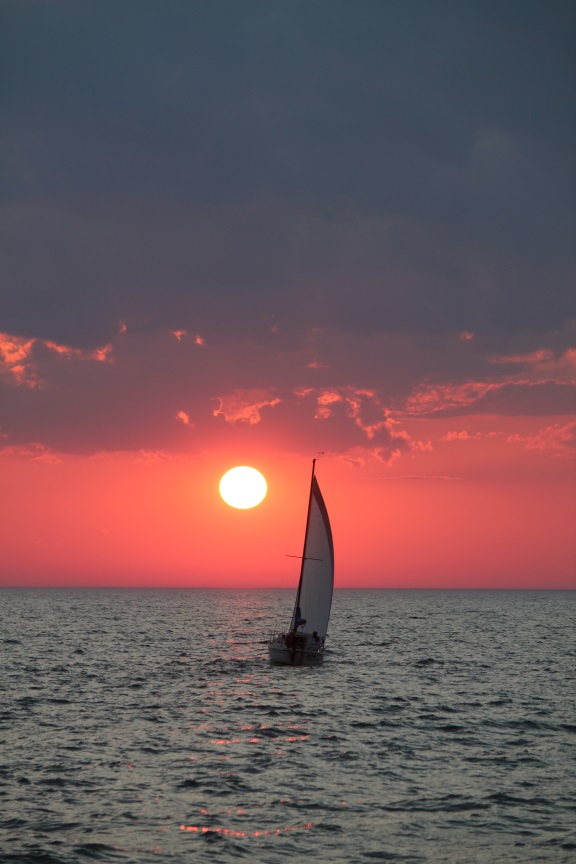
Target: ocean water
column 148, row 726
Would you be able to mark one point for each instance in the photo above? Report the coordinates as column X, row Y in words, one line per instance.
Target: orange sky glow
column 152, row 519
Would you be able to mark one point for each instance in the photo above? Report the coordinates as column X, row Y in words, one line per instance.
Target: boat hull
column 281, row 654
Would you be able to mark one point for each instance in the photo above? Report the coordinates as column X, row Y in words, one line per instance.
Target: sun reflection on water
column 231, row 832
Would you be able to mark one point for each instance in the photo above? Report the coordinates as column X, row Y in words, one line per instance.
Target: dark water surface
column 147, row 726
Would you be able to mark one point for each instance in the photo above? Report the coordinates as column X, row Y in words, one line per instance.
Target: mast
column 297, row 603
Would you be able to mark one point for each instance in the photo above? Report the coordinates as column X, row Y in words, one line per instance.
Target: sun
column 243, row 487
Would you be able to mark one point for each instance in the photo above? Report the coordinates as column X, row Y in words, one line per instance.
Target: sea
column 148, row 726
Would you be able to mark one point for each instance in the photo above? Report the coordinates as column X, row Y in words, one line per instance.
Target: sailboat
column 303, row 643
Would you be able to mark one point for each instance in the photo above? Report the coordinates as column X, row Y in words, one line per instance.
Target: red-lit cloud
column 542, row 360
column 245, row 406
column 20, row 358
column 555, row 438
column 510, row 397
column 57, row 394
column 183, row 417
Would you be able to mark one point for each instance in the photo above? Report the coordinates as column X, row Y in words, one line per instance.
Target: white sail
column 314, row 597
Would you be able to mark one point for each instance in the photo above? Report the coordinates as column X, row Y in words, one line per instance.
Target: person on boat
column 315, row 640
column 298, row 620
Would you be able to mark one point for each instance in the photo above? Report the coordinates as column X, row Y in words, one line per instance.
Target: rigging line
column 304, row 557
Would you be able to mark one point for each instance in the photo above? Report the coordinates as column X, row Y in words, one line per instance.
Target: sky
column 251, row 232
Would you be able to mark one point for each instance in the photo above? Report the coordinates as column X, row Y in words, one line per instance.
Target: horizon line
column 104, row 587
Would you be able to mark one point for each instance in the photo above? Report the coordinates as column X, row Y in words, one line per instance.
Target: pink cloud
column 443, row 397
column 456, row 436
column 13, row 349
column 149, row 457
column 15, row 352
column 362, row 406
column 74, row 400
column 140, row 457
column 387, row 456
column 244, row 406
column 540, row 360
column 420, row 446
column 385, row 438
column 64, row 350
column 556, row 437
column 325, row 402
column 462, row 436
column 102, row 355
column 181, row 334
column 183, row 417
column 368, row 413
column 18, row 356
column 510, row 397
column 34, row 451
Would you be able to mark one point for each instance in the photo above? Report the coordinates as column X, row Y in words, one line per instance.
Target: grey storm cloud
column 370, row 167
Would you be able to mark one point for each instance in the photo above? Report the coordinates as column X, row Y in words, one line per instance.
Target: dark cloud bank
column 251, row 171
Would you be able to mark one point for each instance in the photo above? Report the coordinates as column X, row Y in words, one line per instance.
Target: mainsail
column 314, row 596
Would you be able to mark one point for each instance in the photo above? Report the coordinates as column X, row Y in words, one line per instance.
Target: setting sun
column 243, row 487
